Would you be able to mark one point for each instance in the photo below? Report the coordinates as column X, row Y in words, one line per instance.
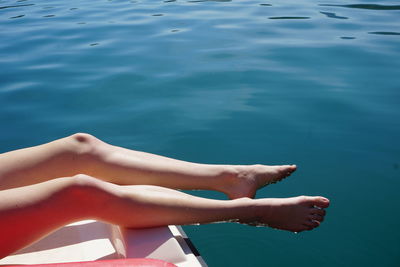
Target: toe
column 316, row 217
column 324, row 202
column 320, row 202
column 312, row 223
column 318, row 211
column 289, row 169
column 315, row 223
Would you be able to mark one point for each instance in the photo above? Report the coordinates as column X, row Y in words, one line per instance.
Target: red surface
column 109, row 263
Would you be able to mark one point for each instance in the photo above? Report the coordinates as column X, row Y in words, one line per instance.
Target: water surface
column 315, row 83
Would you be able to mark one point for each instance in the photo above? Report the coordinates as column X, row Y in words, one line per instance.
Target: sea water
column 312, row 83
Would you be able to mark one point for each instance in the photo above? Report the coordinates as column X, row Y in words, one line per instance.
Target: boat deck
column 93, row 240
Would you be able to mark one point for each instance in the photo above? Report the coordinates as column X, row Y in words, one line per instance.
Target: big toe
column 320, row 202
column 285, row 170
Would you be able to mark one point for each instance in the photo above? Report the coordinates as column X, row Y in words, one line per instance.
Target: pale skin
column 79, row 177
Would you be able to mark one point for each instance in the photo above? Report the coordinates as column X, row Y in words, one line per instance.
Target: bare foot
column 294, row 214
column 244, row 181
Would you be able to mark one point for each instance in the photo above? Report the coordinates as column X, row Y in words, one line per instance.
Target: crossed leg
column 83, row 153
column 30, row 212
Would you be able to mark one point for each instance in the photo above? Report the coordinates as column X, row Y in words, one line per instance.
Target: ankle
column 249, row 210
column 228, row 178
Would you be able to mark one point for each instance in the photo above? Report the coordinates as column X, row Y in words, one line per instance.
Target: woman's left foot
column 244, row 181
column 295, row 214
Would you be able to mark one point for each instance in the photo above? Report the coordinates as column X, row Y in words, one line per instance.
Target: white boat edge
column 91, row 240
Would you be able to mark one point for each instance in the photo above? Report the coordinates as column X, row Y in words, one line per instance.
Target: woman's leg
column 28, row 213
column 83, row 153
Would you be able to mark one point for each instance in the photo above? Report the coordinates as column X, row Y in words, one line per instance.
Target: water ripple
column 367, row 6
column 254, row 80
column 385, row 33
column 333, row 15
column 17, row 17
column 289, row 17
column 4, row 7
column 201, row 1
column 19, row 86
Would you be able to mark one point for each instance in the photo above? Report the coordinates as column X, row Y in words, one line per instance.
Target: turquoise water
column 315, row 83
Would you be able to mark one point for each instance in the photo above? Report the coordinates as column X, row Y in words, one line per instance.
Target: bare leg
column 30, row 212
column 83, row 153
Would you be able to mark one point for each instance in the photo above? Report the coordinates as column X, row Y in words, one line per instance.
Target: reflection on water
column 274, row 13
column 200, row 1
column 16, row 17
column 333, row 15
column 4, row 7
column 386, row 33
column 367, row 6
column 289, row 17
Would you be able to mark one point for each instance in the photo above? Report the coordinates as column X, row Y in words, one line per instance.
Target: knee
column 87, row 187
column 83, row 143
column 84, row 139
column 84, row 181
column 87, row 194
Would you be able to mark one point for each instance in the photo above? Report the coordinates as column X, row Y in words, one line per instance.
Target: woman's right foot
column 244, row 181
column 294, row 214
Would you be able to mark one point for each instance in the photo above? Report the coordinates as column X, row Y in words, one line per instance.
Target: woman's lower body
column 81, row 177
